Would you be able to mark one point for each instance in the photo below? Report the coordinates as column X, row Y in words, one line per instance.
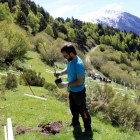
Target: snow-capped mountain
column 116, row 19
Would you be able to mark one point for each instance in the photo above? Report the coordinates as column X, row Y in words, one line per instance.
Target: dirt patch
column 20, row 129
column 51, row 128
column 43, row 96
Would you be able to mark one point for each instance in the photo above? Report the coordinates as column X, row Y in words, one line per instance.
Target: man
column 76, row 83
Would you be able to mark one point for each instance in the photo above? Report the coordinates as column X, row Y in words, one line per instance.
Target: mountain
column 116, row 19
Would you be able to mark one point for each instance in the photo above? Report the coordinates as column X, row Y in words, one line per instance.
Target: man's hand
column 58, row 73
column 63, row 84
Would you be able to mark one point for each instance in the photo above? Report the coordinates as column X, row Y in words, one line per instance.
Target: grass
column 30, row 112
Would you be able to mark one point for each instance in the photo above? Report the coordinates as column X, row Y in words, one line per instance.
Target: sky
column 83, row 9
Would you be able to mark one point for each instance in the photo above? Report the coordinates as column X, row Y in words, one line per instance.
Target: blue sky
column 83, row 9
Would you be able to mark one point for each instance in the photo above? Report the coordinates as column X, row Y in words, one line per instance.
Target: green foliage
column 135, row 65
column 50, row 86
column 20, row 19
column 120, row 110
column 124, row 111
column 9, row 81
column 96, row 62
column 53, row 52
column 33, row 22
column 61, row 35
column 122, row 58
column 71, row 34
column 32, row 78
column 90, row 43
column 51, row 19
column 49, row 31
column 137, row 81
column 13, row 44
column 5, row 13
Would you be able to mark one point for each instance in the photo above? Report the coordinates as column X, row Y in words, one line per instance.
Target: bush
column 113, row 57
column 137, row 81
column 96, row 62
column 90, row 43
column 32, row 78
column 135, row 65
column 124, row 111
column 10, row 81
column 61, row 35
column 50, row 86
column 120, row 110
column 106, row 68
column 14, row 43
column 128, row 62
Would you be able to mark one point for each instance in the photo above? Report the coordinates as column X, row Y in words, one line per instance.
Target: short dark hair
column 68, row 48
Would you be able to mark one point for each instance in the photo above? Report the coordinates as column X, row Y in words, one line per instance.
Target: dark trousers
column 77, row 101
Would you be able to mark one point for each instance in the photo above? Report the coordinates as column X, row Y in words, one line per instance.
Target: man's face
column 67, row 56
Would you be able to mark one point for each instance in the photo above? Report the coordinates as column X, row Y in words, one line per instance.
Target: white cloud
column 55, row 4
column 60, row 11
column 114, row 6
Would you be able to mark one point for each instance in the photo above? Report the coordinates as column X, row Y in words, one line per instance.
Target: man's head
column 69, row 52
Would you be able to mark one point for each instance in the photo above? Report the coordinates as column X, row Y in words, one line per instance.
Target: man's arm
column 64, row 71
column 78, row 82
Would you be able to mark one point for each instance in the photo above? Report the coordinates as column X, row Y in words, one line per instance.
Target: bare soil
column 51, row 128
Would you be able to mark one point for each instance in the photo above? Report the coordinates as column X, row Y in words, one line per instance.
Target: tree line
column 35, row 19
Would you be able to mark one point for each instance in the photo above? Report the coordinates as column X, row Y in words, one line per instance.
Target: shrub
column 120, row 110
column 128, row 62
column 62, row 35
column 96, row 62
column 14, row 43
column 137, row 81
column 90, row 43
column 10, row 81
column 135, row 65
column 100, row 98
column 124, row 111
column 50, row 86
column 106, row 68
column 32, row 78
column 113, row 57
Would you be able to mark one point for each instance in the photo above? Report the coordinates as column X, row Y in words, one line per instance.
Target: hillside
column 31, row 40
column 30, row 112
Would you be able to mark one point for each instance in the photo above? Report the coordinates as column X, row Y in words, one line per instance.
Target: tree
column 122, row 58
column 20, row 19
column 33, row 22
column 42, row 22
column 71, row 34
column 54, row 28
column 24, row 8
column 80, row 37
column 51, row 19
column 33, row 7
column 45, row 14
column 49, row 31
column 62, row 29
column 5, row 13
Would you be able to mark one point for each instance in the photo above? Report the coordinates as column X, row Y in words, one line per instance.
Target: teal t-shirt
column 76, row 68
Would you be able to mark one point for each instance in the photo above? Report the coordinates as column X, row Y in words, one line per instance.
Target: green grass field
column 30, row 112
